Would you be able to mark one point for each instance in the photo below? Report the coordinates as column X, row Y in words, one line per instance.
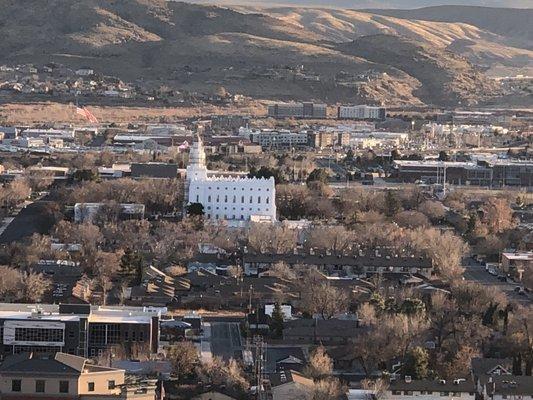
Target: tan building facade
column 65, row 376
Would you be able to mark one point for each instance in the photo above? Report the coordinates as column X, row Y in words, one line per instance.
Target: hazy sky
column 375, row 3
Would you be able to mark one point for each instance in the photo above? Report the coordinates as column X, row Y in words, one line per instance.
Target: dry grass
column 50, row 112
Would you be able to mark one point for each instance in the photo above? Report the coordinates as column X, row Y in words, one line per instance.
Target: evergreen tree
column 392, row 204
column 417, row 362
column 318, row 175
column 471, row 226
column 517, row 364
column 195, row 209
column 276, row 323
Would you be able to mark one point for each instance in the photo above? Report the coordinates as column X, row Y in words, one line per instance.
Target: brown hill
column 264, row 55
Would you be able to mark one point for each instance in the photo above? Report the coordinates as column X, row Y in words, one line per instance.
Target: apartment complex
column 361, row 112
column 81, row 330
column 297, row 110
column 65, row 376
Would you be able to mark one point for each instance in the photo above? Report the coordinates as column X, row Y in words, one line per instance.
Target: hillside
column 277, row 54
column 474, row 32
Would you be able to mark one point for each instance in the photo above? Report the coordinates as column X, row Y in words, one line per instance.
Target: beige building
column 291, row 385
column 517, row 263
column 66, row 376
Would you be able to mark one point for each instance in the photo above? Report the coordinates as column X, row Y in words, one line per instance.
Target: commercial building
column 297, row 110
column 517, row 263
column 78, row 329
column 499, row 173
column 29, row 376
column 228, row 197
column 154, row 170
column 321, row 139
column 361, row 112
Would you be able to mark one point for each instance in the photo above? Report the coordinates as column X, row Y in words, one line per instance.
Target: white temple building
column 227, row 196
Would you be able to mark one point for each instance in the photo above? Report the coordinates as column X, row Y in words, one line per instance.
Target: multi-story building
column 361, row 112
column 27, row 377
column 279, row 139
column 321, row 139
column 82, row 330
column 230, row 198
column 297, row 110
column 495, row 174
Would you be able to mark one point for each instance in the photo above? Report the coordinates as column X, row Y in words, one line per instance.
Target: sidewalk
column 205, row 345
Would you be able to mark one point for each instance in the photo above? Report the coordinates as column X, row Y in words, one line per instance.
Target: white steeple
column 196, row 168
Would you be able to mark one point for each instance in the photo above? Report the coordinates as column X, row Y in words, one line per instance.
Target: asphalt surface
column 225, row 339
column 476, row 272
column 30, row 220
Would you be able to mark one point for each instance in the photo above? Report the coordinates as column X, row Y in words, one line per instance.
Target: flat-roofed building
column 79, row 329
column 64, row 376
column 297, row 110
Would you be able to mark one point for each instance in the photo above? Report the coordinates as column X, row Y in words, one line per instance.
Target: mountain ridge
column 262, row 53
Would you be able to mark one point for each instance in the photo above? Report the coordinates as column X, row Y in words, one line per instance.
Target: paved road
column 476, row 272
column 225, row 339
column 30, row 220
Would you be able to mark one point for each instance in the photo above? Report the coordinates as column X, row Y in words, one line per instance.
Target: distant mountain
column 360, row 4
column 507, row 22
column 282, row 53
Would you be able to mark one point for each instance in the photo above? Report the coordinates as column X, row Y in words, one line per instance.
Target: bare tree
column 333, row 238
column 328, row 389
column 184, row 358
column 434, row 210
column 269, row 238
column 324, row 299
column 498, row 215
column 320, row 364
column 35, row 286
column 11, row 284
column 411, row 219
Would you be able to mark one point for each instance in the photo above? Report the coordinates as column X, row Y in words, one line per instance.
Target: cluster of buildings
column 60, row 81
column 29, row 138
column 319, row 111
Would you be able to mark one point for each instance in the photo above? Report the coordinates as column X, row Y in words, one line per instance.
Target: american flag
column 84, row 112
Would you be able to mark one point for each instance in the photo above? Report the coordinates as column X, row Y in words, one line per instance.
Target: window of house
column 16, row 385
column 258, row 199
column 63, row 386
column 267, row 200
column 90, row 386
column 209, row 198
column 408, row 392
column 444, row 393
column 39, row 386
column 396, row 392
column 110, row 384
column 141, row 336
